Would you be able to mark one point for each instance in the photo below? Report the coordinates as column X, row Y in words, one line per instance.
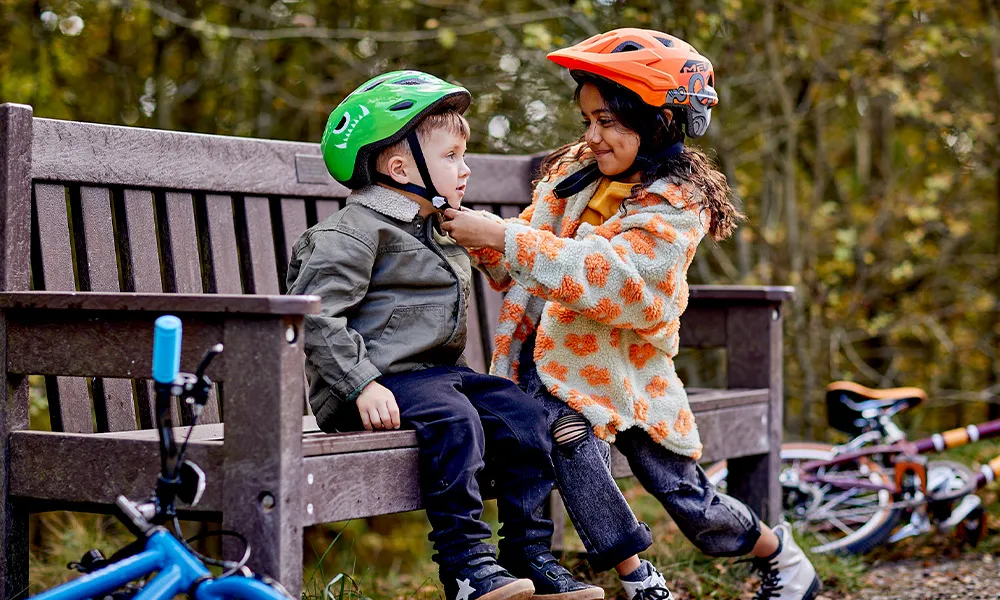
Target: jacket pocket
column 409, row 331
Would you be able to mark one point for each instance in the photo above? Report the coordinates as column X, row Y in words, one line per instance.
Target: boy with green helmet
column 386, row 349
column 381, row 113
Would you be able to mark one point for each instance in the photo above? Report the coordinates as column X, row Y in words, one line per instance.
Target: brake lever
column 211, row 354
column 199, row 389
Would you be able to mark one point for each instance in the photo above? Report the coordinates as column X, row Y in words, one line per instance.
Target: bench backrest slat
column 475, row 354
column 140, row 233
column 180, row 255
column 325, row 208
column 114, row 406
column 222, row 239
column 69, row 397
column 53, row 229
column 260, row 240
column 99, row 236
column 185, row 257
column 293, row 222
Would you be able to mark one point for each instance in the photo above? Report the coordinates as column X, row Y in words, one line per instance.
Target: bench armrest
column 91, row 334
column 184, row 303
column 741, row 294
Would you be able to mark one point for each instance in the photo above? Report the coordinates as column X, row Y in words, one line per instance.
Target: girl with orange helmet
column 595, row 273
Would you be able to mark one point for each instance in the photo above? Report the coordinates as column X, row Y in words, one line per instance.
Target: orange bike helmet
column 663, row 70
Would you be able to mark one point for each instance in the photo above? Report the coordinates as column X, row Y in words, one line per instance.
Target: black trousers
column 466, row 421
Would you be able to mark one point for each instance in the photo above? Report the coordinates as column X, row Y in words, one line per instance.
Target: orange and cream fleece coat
column 604, row 303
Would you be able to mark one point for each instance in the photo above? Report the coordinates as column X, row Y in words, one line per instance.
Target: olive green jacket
column 394, row 293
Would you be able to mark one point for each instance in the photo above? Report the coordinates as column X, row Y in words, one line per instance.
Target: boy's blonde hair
column 449, row 120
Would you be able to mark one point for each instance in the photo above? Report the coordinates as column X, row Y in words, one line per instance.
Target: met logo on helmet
column 695, row 66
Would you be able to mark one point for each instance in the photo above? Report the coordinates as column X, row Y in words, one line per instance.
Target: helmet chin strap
column 429, row 192
column 575, row 183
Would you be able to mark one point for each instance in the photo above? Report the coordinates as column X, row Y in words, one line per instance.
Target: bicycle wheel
column 851, row 521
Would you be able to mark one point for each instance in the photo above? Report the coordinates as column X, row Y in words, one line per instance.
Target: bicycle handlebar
column 166, row 349
column 166, row 372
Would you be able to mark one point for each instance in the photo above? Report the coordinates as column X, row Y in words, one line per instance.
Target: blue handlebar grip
column 166, row 349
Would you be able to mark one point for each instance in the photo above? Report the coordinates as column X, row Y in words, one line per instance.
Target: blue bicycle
column 178, row 568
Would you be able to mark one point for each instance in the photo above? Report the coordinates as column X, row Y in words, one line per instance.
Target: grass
column 63, row 537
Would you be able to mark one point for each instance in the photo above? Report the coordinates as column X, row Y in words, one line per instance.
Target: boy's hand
column 378, row 407
column 473, row 230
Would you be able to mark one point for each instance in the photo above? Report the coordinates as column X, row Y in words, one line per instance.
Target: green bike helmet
column 381, row 112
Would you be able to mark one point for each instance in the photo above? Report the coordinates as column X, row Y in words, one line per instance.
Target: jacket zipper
column 430, row 243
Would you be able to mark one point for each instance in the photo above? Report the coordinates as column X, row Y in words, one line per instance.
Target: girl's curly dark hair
column 659, row 128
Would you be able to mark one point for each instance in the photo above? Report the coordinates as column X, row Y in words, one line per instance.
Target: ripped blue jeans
column 717, row 524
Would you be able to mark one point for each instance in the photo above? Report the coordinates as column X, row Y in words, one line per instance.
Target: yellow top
column 605, row 201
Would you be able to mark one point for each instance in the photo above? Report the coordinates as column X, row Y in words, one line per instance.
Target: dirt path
column 969, row 577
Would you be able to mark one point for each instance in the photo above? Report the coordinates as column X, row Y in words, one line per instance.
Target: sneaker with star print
column 481, row 578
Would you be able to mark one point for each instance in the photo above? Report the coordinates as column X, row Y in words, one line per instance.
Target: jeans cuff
column 635, row 542
column 753, row 535
column 750, row 538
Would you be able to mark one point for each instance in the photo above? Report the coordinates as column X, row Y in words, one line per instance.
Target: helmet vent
column 411, row 81
column 373, row 85
column 628, row 46
column 402, row 105
column 666, row 42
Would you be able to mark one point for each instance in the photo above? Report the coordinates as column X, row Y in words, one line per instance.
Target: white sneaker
column 787, row 574
column 653, row 587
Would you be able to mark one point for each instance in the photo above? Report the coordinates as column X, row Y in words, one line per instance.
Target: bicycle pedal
column 919, row 524
column 964, row 508
column 93, row 560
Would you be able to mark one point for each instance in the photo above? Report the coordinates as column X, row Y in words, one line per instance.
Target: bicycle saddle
column 850, row 406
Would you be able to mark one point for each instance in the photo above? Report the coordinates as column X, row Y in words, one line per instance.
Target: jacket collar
column 385, row 201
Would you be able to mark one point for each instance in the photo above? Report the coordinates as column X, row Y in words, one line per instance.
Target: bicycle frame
column 938, row 442
column 178, row 573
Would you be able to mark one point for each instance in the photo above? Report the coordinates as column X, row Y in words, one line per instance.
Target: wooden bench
column 105, row 228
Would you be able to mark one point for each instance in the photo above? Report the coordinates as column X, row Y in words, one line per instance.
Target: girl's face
column 615, row 145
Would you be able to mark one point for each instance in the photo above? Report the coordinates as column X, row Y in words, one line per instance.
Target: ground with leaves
column 969, row 577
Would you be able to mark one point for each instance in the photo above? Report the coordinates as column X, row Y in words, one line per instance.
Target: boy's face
column 444, row 153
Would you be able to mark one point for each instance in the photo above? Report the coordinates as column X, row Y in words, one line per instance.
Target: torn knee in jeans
column 570, row 430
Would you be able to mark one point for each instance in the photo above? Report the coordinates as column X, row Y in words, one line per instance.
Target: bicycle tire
column 869, row 536
column 871, row 539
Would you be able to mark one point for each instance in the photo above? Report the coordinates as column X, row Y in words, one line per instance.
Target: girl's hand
column 474, row 230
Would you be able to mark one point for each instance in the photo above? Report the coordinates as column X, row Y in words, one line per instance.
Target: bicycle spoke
column 841, row 526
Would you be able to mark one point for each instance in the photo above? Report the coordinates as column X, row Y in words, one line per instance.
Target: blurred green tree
column 861, row 136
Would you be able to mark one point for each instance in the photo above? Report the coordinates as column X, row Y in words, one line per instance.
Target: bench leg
column 753, row 360
column 754, row 481
column 15, row 227
column 262, row 452
column 13, row 517
column 14, row 559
